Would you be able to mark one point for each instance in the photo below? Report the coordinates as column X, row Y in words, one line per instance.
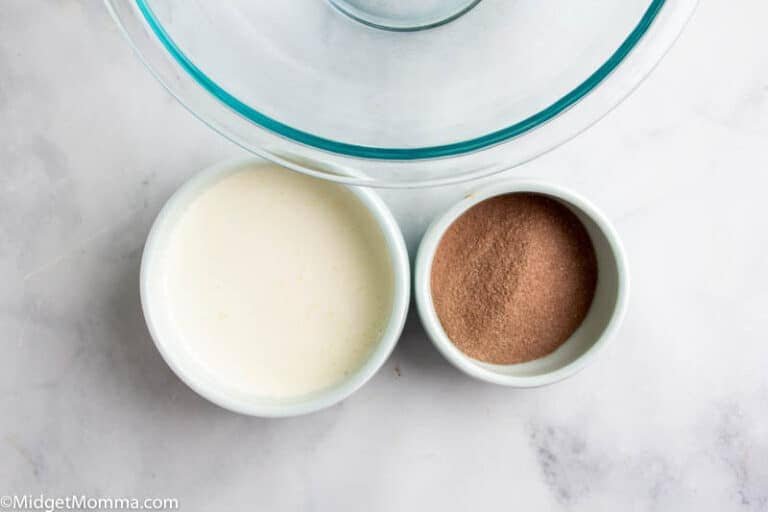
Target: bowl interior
column 595, row 324
column 404, row 15
column 603, row 316
column 309, row 73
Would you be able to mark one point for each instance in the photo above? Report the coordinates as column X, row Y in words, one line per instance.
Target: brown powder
column 513, row 278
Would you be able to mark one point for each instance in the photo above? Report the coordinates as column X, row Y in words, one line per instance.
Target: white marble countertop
column 673, row 415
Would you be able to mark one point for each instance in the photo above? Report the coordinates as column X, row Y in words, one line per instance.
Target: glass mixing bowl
column 400, row 93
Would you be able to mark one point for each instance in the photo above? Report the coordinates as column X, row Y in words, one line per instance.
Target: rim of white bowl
column 169, row 349
column 423, row 294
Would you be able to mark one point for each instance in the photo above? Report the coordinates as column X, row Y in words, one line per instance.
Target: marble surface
column 673, row 415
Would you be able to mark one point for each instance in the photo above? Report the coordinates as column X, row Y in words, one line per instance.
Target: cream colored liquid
column 279, row 283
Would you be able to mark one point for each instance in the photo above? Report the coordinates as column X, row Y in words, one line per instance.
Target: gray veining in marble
column 673, row 416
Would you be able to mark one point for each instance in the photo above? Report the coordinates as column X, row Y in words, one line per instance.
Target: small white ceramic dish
column 599, row 326
column 183, row 363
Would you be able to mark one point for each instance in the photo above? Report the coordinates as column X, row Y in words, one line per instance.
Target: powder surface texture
column 513, row 278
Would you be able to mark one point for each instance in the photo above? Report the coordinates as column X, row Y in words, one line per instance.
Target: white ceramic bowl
column 181, row 362
column 599, row 326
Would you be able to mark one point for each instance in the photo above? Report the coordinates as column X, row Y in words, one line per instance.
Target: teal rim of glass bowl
column 381, row 153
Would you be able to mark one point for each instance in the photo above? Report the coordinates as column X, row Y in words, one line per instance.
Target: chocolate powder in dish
column 513, row 278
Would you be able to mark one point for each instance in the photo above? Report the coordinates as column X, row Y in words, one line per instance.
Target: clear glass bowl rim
column 616, row 86
column 386, row 153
